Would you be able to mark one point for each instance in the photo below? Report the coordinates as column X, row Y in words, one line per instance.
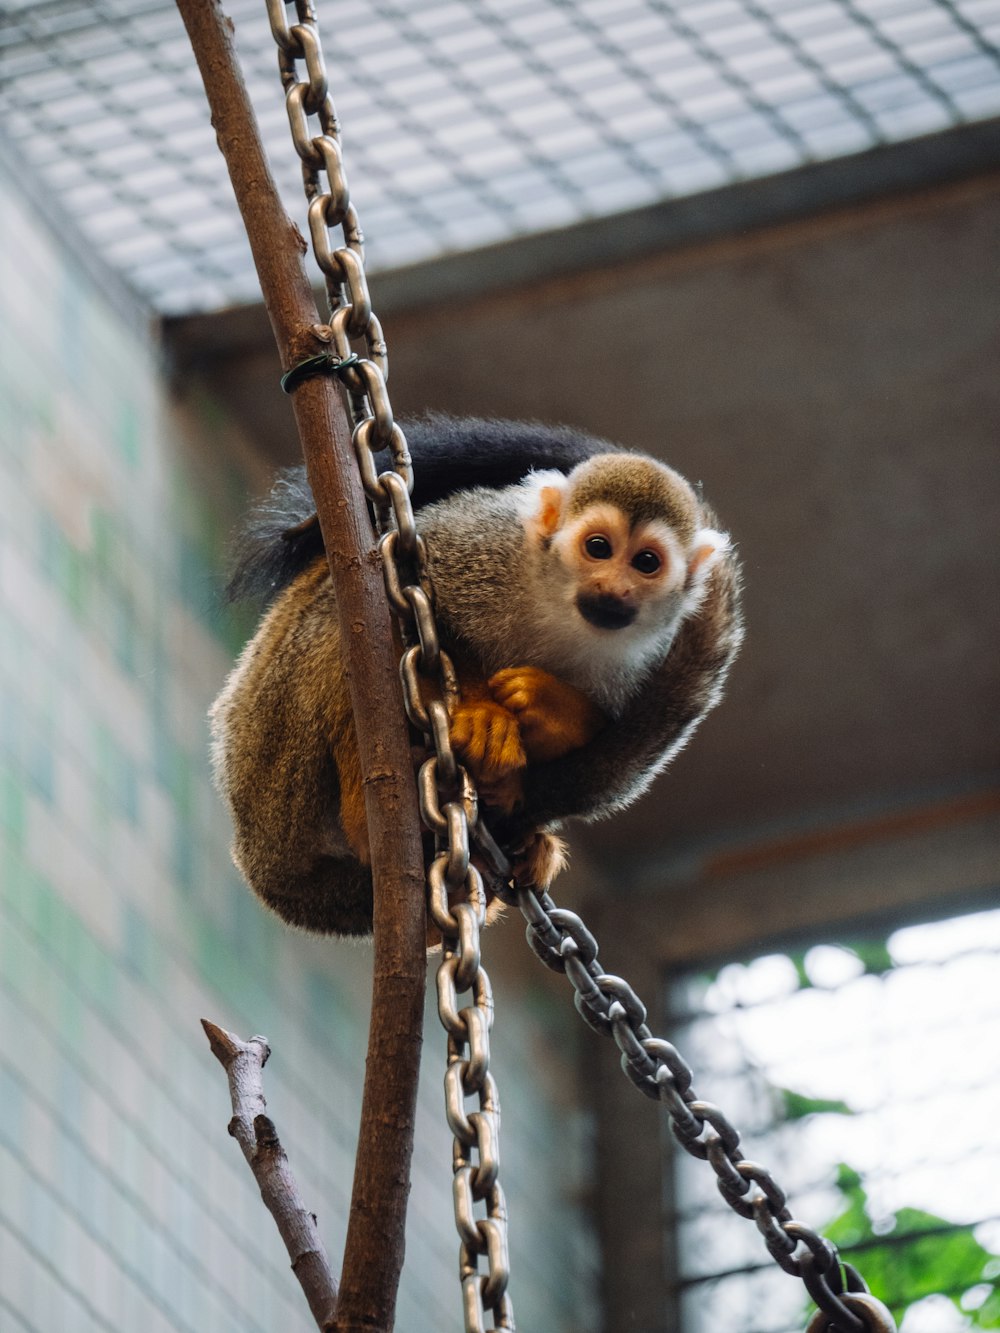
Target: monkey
column 591, row 604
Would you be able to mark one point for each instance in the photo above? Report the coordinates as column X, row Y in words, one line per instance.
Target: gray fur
column 514, row 601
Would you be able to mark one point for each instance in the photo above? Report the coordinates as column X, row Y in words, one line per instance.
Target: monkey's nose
column 605, row 610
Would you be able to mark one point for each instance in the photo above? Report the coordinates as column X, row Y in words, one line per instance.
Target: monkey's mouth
column 605, row 611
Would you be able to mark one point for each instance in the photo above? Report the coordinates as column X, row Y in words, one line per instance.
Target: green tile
column 12, row 1100
column 74, row 582
column 182, row 783
column 63, row 565
column 184, row 860
column 13, row 807
column 41, row 763
column 14, row 874
column 117, row 789
column 106, row 536
column 140, row 948
column 97, row 972
column 69, row 1016
column 13, row 960
column 225, row 969
column 125, row 632
column 129, row 432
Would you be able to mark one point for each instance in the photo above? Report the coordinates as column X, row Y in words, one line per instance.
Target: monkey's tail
column 450, row 454
column 277, row 541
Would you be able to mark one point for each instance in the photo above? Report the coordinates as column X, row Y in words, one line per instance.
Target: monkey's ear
column 549, row 510
column 543, row 505
column 706, row 550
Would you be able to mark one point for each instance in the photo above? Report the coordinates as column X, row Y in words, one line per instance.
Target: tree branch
column 244, row 1063
column 373, row 1254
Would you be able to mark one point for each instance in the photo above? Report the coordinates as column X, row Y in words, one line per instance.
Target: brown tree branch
column 373, row 1254
column 244, row 1063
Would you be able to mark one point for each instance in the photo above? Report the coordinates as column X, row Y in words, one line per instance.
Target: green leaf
column 798, row 961
column 796, row 1106
column 853, row 1225
column 988, row 1314
column 921, row 1255
column 874, row 954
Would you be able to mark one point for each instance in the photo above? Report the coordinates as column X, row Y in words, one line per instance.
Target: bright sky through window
column 866, row 1076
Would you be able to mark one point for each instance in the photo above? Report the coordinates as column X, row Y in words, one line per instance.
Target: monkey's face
column 620, row 551
column 620, row 574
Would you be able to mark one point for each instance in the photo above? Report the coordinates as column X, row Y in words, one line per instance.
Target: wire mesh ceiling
column 470, row 121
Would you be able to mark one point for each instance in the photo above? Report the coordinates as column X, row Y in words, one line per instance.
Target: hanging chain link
column 610, row 1006
column 448, row 802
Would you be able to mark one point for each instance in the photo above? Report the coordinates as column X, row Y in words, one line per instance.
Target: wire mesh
column 862, row 1073
column 471, row 121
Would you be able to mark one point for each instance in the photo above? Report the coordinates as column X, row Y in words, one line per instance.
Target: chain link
column 610, row 1006
column 448, row 802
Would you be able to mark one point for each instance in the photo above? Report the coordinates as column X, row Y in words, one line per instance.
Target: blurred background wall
column 123, row 1201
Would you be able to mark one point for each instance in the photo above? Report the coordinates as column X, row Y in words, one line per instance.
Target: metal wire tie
column 324, row 363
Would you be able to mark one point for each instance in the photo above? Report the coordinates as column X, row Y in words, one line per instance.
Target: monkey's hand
column 553, row 717
column 488, row 740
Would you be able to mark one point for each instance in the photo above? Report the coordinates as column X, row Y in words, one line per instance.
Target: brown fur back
column 281, row 716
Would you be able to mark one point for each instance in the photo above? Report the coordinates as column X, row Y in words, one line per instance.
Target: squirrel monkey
column 592, row 612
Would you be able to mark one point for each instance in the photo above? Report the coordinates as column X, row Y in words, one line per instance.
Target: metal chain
column 610, row 1006
column 456, row 896
column 448, row 803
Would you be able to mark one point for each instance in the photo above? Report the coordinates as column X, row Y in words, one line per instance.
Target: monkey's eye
column 598, row 547
column 646, row 562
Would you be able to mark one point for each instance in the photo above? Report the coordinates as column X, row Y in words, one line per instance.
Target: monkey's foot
column 502, row 793
column 488, row 741
column 553, row 717
column 541, row 858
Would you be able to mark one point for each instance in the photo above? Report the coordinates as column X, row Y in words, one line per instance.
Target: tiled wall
column 123, row 1203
